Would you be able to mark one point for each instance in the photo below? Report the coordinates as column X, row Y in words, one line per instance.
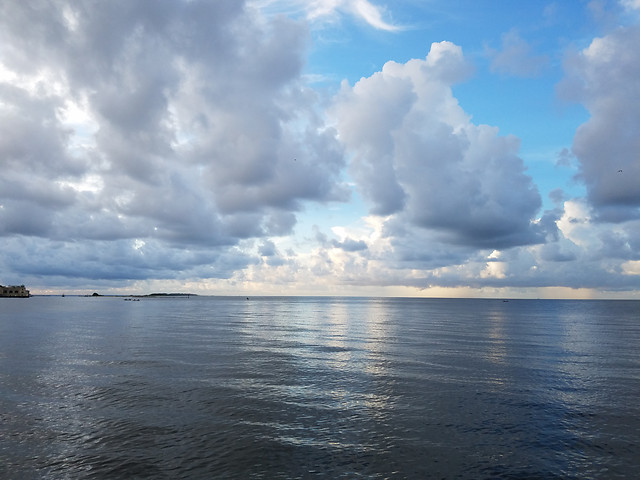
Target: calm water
column 318, row 388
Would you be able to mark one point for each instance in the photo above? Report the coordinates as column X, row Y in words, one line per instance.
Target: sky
column 333, row 147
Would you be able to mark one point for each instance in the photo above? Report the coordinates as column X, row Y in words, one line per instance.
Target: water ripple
column 329, row 388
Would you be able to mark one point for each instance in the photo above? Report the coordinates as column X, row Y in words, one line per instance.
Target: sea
column 317, row 387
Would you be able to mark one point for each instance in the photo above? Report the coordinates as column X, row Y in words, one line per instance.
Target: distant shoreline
column 121, row 295
column 167, row 295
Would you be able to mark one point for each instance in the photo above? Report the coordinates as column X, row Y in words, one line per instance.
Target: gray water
column 209, row 387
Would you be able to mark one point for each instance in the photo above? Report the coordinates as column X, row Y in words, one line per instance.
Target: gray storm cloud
column 604, row 78
column 195, row 128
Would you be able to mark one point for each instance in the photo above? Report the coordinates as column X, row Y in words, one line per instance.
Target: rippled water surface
column 209, row 387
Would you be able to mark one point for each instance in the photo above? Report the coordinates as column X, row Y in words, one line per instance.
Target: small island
column 149, row 295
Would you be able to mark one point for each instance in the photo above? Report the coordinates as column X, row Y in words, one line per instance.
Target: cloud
column 631, row 4
column 268, row 249
column 631, row 267
column 371, row 14
column 350, row 245
column 416, row 155
column 362, row 9
column 604, row 78
column 179, row 124
column 323, row 10
column 115, row 262
column 516, row 57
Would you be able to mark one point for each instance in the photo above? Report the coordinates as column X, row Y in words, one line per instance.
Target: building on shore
column 14, row 291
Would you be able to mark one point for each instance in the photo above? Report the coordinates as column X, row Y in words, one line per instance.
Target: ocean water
column 268, row 388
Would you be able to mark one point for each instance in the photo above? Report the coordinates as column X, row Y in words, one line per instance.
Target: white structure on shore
column 14, row 291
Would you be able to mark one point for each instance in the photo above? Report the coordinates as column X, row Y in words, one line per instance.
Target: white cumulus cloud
column 604, row 78
column 417, row 155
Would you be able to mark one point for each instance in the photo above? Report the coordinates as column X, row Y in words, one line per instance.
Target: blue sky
column 335, row 147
